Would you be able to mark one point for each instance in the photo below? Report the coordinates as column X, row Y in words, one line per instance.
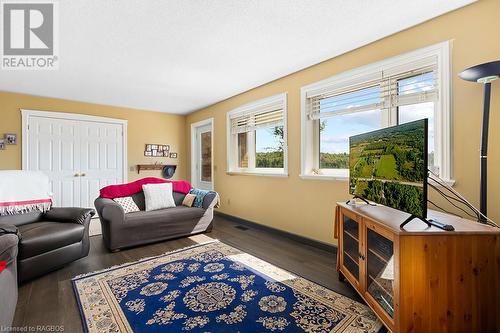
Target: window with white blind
column 394, row 91
column 257, row 137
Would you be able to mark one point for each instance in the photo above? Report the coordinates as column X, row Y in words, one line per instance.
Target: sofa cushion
column 179, row 213
column 127, row 204
column 158, row 196
column 41, row 237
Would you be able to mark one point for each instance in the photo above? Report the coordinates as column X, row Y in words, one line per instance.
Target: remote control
column 447, row 227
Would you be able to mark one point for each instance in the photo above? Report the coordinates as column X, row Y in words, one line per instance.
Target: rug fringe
column 143, row 259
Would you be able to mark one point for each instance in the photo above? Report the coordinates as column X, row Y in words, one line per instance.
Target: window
column 257, row 137
column 395, row 91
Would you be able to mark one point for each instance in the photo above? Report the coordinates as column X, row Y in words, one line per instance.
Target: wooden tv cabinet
column 421, row 279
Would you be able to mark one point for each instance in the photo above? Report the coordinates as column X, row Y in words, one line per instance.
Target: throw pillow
column 158, row 196
column 3, row 264
column 128, row 204
column 200, row 195
column 188, row 200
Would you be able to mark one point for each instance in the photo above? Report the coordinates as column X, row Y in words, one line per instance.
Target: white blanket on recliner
column 24, row 191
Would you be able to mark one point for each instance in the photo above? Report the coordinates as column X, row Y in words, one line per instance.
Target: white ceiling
column 178, row 56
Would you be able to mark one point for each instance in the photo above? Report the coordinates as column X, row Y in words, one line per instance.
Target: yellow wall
column 143, row 127
column 305, row 207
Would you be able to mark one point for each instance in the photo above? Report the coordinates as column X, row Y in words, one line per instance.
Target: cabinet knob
column 76, row 175
column 82, row 175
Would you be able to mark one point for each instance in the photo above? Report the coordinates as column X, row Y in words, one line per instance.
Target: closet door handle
column 76, row 175
column 82, row 175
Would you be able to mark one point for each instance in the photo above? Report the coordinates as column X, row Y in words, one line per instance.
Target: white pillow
column 158, row 196
column 128, row 204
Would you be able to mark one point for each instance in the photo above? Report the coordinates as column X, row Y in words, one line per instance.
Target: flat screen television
column 389, row 166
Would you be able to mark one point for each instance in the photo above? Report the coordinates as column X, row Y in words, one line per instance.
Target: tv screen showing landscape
column 389, row 166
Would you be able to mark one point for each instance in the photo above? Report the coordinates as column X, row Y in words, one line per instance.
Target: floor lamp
column 485, row 74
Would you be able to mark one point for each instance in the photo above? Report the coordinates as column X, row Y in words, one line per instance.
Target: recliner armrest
column 69, row 214
column 8, row 247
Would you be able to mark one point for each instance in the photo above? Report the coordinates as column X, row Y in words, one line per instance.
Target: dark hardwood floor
column 49, row 300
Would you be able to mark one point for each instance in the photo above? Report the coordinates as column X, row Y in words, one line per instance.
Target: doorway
column 202, row 154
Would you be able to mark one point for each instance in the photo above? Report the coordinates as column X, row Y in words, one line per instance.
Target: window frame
column 398, row 64
column 232, row 166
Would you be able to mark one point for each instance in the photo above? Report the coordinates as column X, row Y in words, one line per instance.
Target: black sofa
column 120, row 230
column 8, row 279
column 50, row 240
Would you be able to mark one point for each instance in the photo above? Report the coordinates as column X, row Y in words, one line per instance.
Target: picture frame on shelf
column 173, row 155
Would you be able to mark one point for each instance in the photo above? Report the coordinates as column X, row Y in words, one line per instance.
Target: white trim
column 324, row 177
column 420, row 57
column 194, row 126
column 230, row 170
column 26, row 114
column 257, row 173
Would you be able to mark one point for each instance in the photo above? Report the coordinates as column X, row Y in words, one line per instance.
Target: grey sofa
column 122, row 230
column 50, row 240
column 8, row 279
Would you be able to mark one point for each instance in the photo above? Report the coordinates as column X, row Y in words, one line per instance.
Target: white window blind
column 380, row 90
column 270, row 115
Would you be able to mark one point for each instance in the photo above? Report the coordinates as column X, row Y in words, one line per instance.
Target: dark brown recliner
column 50, row 240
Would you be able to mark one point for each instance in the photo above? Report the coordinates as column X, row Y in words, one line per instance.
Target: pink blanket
column 125, row 190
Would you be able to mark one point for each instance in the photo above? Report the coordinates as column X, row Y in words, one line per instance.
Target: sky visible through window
column 334, row 138
column 266, row 141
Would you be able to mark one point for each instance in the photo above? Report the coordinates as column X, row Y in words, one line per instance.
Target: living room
column 250, row 167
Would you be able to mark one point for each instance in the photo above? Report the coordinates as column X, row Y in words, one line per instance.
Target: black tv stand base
column 429, row 223
column 362, row 199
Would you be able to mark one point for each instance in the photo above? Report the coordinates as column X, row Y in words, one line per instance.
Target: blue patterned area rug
column 213, row 288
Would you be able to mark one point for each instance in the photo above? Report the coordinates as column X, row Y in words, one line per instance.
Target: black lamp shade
column 477, row 72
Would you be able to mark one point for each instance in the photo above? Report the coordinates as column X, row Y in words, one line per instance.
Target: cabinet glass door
column 350, row 247
column 380, row 269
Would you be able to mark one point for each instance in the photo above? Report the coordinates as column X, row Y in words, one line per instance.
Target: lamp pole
column 485, row 74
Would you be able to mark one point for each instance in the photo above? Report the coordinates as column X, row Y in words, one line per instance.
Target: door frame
column 26, row 114
column 194, row 127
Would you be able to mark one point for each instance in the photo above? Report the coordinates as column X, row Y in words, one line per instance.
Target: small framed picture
column 166, row 147
column 160, row 153
column 11, row 139
column 173, row 155
column 148, row 147
column 2, row 144
column 147, row 153
column 154, row 147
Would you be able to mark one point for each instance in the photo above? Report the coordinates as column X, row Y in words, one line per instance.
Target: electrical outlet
column 132, row 168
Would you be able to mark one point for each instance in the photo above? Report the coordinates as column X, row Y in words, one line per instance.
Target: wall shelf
column 142, row 167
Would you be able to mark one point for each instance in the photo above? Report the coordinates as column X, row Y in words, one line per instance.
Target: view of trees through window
column 335, row 133
column 269, row 143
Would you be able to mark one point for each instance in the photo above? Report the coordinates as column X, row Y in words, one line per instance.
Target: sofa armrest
column 69, row 214
column 208, row 200
column 8, row 247
column 109, row 210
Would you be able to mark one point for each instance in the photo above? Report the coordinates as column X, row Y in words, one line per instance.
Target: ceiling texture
column 179, row 56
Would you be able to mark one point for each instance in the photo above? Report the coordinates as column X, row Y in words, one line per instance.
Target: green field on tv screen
column 389, row 166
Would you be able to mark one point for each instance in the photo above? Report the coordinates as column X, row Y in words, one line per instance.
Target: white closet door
column 54, row 148
column 101, row 161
